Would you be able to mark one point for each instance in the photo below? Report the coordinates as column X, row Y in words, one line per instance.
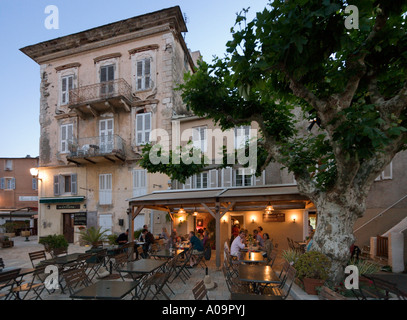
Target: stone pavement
column 17, row 256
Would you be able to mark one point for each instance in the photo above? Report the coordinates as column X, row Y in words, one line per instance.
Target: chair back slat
column 200, row 291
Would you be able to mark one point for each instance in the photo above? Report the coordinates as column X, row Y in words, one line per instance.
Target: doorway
column 236, row 222
column 68, row 228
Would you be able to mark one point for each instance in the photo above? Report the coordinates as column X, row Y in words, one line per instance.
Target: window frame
column 144, row 132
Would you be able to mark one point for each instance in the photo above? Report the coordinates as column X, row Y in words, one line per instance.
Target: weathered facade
column 102, row 92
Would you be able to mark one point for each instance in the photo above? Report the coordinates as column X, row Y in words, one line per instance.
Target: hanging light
column 181, row 210
column 269, row 208
column 195, row 212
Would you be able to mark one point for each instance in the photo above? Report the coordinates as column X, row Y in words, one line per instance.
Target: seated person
column 197, row 247
column 258, row 238
column 123, row 238
column 148, row 240
column 238, row 243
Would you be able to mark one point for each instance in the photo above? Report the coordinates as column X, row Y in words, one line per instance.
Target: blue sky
column 22, row 24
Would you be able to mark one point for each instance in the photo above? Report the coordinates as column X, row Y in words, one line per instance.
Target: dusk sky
column 22, row 23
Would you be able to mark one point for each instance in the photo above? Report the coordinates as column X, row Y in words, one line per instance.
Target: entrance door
column 68, row 228
column 105, row 222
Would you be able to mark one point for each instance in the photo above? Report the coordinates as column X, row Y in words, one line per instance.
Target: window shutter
column 188, row 183
column 227, row 177
column 34, row 183
column 2, row 183
column 105, row 189
column 139, row 75
column 213, row 178
column 74, row 184
column 147, row 127
column 147, row 73
column 56, row 185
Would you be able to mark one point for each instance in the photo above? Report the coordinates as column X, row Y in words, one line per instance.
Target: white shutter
column 143, row 74
column 143, row 128
column 57, row 191
column 105, row 189
column 188, row 183
column 2, row 183
column 139, row 183
column 213, row 178
column 74, row 184
column 227, row 177
column 66, row 137
column 199, row 138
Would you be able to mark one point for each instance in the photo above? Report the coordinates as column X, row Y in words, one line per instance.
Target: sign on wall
column 276, row 216
column 80, row 219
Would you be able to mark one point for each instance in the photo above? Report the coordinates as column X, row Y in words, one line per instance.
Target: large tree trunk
column 334, row 233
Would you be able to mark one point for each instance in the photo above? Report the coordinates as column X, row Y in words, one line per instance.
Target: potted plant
column 313, row 270
column 291, row 255
column 54, row 244
column 112, row 238
column 93, row 236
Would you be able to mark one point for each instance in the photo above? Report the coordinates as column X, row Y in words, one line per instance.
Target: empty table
column 257, row 274
column 106, row 290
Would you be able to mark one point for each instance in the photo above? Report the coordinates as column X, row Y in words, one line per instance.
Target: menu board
column 276, row 216
column 79, row 219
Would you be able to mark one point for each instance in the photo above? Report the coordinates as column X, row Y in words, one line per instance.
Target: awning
column 219, row 201
column 62, row 199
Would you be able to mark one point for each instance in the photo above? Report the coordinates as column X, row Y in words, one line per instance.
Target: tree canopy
column 330, row 101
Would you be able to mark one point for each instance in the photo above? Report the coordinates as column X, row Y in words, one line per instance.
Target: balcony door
column 106, row 78
column 106, row 131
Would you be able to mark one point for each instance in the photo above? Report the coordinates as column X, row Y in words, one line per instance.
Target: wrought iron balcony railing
column 105, row 146
column 117, row 93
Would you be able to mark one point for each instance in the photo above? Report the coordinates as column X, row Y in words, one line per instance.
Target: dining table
column 166, row 253
column 139, row 269
column 251, row 257
column 258, row 275
column 106, row 290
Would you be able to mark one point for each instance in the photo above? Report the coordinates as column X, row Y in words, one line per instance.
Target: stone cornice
column 124, row 30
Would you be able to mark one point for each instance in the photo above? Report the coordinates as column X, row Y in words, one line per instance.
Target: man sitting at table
column 148, row 240
column 238, row 244
column 123, row 238
column 258, row 238
column 197, row 247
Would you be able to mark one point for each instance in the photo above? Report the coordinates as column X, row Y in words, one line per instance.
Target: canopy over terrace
column 218, row 202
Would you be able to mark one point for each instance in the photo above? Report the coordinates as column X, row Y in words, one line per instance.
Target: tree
column 330, row 101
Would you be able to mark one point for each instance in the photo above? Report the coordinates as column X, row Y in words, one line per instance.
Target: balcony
column 92, row 100
column 108, row 148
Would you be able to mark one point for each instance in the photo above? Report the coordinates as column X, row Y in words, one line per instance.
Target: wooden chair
column 7, row 283
column 76, row 278
column 199, row 291
column 272, row 258
column 37, row 255
column 282, row 291
column 159, row 280
column 58, row 252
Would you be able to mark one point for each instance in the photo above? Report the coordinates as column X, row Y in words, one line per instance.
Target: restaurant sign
column 79, row 219
column 68, row 206
column 276, row 216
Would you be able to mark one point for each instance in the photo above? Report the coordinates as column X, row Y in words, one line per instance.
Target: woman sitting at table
column 267, row 247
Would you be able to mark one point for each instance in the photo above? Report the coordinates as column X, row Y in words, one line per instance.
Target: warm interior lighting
column 294, row 218
column 269, row 208
column 181, row 211
column 253, row 219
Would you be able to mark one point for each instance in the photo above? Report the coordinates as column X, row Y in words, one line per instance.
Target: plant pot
column 311, row 284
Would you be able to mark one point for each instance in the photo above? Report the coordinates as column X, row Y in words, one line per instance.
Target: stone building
column 102, row 92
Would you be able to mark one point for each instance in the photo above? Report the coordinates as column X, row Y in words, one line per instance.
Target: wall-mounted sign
column 79, row 219
column 274, row 217
column 68, row 206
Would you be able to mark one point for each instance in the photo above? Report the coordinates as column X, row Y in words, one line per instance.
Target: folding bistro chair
column 96, row 262
column 180, row 269
column 37, row 255
column 159, row 280
column 76, row 278
column 7, row 283
column 282, row 291
column 199, row 291
column 1, row 263
column 35, row 286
